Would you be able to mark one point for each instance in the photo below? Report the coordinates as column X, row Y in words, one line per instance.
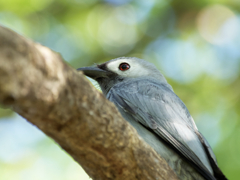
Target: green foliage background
column 196, row 45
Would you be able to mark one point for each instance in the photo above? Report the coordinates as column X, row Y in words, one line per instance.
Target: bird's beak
column 94, row 72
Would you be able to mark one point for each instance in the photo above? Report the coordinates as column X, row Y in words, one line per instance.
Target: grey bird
column 145, row 99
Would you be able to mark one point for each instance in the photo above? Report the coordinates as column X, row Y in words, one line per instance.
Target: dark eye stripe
column 124, row 66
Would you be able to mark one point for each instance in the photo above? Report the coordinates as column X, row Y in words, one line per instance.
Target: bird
column 146, row 100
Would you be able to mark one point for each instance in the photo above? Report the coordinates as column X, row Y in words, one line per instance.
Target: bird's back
column 164, row 122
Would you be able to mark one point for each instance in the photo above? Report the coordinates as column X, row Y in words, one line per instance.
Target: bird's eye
column 124, row 66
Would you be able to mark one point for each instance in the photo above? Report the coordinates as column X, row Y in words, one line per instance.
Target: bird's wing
column 158, row 108
column 217, row 171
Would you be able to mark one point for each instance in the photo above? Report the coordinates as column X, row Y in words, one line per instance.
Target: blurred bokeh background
column 195, row 43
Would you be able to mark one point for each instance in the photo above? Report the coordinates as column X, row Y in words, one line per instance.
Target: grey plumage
column 147, row 101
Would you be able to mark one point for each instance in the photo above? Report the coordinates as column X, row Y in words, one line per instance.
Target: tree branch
column 38, row 85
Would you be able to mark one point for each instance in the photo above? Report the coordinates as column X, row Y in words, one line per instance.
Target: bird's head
column 121, row 69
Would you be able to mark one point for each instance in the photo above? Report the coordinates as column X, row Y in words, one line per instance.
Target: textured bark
column 38, row 85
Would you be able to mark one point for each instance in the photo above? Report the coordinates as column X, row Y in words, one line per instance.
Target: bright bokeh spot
column 117, row 33
column 218, row 24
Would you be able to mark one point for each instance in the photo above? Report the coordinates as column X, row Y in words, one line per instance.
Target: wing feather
column 159, row 109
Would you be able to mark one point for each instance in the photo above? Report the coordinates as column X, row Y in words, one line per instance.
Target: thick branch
column 37, row 84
